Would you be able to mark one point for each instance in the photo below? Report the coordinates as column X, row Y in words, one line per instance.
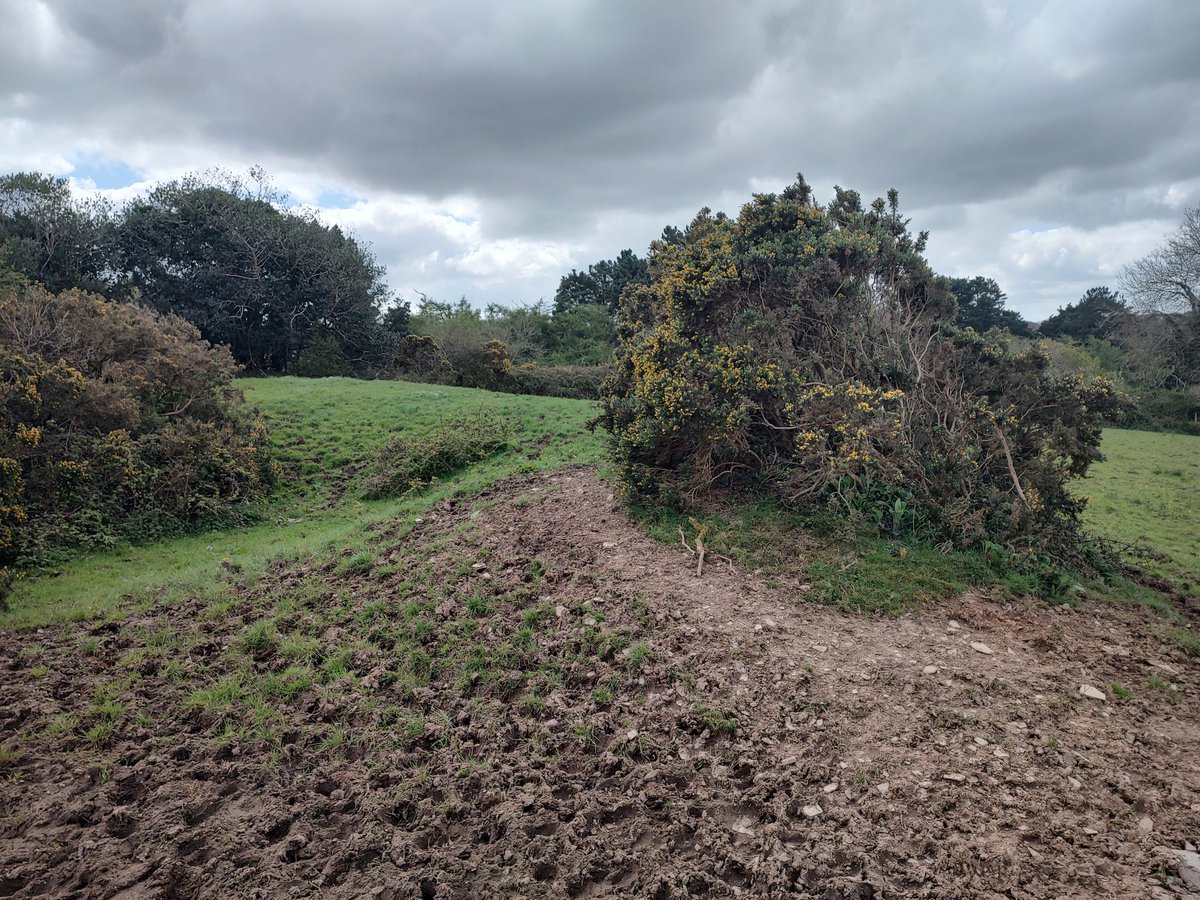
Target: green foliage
column 410, row 464
column 322, row 357
column 602, row 284
column 1096, row 314
column 806, row 353
column 229, row 256
column 51, row 237
column 117, row 423
column 981, row 306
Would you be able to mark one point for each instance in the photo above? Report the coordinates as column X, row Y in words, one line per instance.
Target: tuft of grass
column 716, row 720
column 99, row 734
column 358, row 564
column 1187, row 641
column 258, row 638
column 1120, row 691
column 89, row 646
column 638, row 655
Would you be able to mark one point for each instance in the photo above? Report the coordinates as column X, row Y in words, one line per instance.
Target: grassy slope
column 320, row 427
column 1148, row 490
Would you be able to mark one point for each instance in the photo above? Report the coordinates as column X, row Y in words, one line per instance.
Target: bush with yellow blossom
column 806, row 352
column 115, row 423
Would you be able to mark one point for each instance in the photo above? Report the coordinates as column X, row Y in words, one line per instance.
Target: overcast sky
column 485, row 148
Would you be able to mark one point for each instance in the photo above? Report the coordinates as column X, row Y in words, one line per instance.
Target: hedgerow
column 116, row 423
column 806, row 352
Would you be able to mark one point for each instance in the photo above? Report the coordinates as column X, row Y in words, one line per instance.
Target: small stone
column 981, row 647
column 1094, row 693
column 608, row 545
column 632, row 734
column 883, row 787
column 929, row 670
column 478, row 566
column 812, row 811
column 1146, row 823
column 999, row 754
column 1074, row 782
column 742, row 826
column 820, row 648
column 805, row 588
column 560, row 611
column 981, row 741
column 831, row 787
column 588, row 620
column 1187, row 864
column 954, row 776
column 952, row 625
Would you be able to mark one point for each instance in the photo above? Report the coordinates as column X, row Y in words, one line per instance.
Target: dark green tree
column 602, row 283
column 50, row 236
column 1096, row 314
column 396, row 318
column 981, row 306
column 228, row 256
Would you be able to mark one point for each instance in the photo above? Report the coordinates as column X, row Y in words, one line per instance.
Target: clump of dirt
column 522, row 695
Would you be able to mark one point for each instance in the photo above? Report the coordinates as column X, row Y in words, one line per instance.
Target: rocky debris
column 1093, row 693
column 981, row 647
column 812, row 810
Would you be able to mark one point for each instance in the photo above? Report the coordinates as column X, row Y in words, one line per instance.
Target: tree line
column 287, row 292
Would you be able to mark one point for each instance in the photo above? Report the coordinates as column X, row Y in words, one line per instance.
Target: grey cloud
column 561, row 119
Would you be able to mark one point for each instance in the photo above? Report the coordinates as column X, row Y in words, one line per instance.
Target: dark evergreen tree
column 981, row 306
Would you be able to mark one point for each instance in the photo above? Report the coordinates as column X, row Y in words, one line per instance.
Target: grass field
column 1148, row 491
column 326, row 431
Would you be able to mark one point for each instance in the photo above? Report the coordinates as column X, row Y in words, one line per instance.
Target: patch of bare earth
column 947, row 753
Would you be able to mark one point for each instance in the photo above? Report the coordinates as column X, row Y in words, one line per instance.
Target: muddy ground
column 658, row 734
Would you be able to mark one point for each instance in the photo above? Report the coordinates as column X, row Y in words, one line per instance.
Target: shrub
column 409, row 464
column 117, row 423
column 576, row 382
column 808, row 353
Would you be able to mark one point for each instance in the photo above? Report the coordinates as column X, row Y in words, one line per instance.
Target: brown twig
column 1012, row 470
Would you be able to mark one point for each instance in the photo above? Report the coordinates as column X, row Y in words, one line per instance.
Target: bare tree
column 1168, row 279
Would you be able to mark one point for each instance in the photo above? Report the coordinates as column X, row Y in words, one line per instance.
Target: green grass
column 1148, row 490
column 324, row 432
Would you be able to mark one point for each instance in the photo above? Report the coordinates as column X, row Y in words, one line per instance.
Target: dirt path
column 942, row 754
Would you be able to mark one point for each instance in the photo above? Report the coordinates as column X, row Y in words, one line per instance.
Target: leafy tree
column 1096, row 314
column 583, row 336
column 49, row 236
column 602, row 283
column 396, row 318
column 248, row 272
column 981, row 306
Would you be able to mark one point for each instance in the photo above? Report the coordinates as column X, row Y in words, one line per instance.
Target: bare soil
column 872, row 757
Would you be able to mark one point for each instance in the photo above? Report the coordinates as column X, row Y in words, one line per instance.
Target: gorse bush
column 410, row 464
column 117, row 423
column 807, row 352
